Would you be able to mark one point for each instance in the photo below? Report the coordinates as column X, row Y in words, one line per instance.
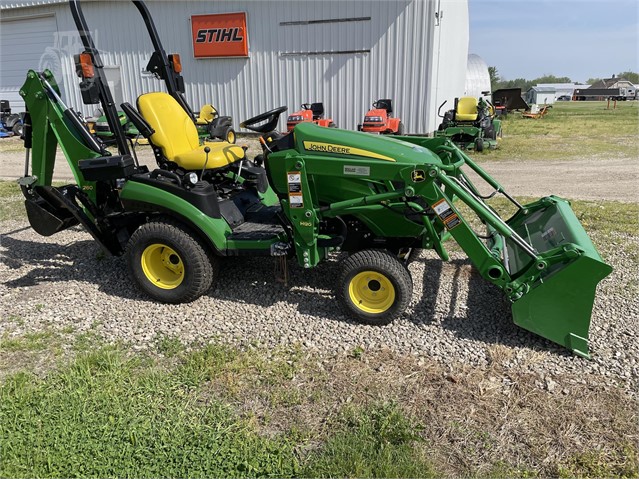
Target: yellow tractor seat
column 176, row 135
column 207, row 115
column 466, row 109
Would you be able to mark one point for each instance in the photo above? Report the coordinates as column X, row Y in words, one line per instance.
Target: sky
column 580, row 39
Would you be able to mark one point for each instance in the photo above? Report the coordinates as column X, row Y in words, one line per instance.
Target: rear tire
column 169, row 263
column 479, row 145
column 18, row 129
column 229, row 135
column 374, row 287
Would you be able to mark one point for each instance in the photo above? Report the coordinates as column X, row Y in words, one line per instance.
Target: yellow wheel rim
column 162, row 266
column 231, row 137
column 372, row 292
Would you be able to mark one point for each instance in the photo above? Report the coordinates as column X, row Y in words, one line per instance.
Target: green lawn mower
column 471, row 125
column 311, row 192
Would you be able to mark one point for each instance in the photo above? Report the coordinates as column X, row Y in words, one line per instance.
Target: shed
column 344, row 54
column 541, row 95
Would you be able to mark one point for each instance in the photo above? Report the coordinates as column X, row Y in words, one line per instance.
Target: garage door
column 23, row 44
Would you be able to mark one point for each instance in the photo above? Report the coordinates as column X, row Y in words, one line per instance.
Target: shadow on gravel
column 81, row 261
column 255, row 281
column 482, row 313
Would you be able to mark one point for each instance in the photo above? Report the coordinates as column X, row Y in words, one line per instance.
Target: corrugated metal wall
column 413, row 51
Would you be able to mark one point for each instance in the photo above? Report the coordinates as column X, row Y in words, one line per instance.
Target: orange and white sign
column 219, row 35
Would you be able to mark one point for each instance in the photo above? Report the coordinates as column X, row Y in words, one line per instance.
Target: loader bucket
column 558, row 305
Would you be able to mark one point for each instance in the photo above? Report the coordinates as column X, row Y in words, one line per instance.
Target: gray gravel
column 65, row 283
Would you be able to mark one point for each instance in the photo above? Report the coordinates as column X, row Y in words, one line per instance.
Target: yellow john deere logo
column 343, row 150
column 417, row 176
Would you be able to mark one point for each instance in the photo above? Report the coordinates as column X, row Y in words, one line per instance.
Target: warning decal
column 446, row 214
column 295, row 198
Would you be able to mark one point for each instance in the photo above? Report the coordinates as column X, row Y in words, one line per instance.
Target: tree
column 592, row 81
column 632, row 77
column 494, row 78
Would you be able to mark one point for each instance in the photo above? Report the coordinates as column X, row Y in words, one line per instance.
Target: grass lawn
column 571, row 130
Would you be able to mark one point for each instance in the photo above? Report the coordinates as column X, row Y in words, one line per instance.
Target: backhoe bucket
column 559, row 303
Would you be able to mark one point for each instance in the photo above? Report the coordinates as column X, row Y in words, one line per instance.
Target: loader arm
column 541, row 257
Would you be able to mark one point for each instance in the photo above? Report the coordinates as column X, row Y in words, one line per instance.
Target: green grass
column 378, row 441
column 11, row 201
column 111, row 414
column 571, row 130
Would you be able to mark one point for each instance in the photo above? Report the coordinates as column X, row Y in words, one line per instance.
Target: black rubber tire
column 385, row 264
column 400, row 128
column 200, row 269
column 332, row 125
column 479, row 145
column 230, row 135
column 17, row 129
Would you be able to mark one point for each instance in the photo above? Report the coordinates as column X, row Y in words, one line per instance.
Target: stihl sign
column 219, row 35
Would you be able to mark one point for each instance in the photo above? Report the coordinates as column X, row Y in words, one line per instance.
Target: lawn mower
column 380, row 120
column 471, row 124
column 312, row 192
column 310, row 112
column 211, row 125
column 101, row 127
column 10, row 123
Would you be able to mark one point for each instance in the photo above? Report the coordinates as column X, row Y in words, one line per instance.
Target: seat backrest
column 385, row 104
column 318, row 110
column 207, row 113
column 467, row 108
column 175, row 132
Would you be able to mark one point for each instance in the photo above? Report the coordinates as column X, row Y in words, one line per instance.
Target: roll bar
column 159, row 64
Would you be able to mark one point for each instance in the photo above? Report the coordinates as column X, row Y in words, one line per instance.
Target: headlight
column 102, row 123
column 295, row 118
column 192, row 177
column 373, row 119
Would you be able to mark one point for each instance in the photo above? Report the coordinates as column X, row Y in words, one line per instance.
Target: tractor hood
column 311, row 139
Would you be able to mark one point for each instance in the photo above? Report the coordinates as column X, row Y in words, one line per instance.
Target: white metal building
column 344, row 53
column 477, row 77
column 541, row 95
column 562, row 89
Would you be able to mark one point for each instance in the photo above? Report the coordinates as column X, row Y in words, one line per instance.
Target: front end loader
column 311, row 192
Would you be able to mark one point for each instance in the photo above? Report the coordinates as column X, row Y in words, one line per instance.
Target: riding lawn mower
column 312, row 112
column 380, row 120
column 310, row 194
column 471, row 124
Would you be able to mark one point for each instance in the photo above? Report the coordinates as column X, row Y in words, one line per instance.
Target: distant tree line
column 497, row 82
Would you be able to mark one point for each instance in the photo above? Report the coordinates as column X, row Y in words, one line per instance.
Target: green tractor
column 312, row 192
column 471, row 124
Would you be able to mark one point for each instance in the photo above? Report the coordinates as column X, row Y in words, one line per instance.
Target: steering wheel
column 270, row 119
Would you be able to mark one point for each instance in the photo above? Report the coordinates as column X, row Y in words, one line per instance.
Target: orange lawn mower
column 310, row 112
column 380, row 120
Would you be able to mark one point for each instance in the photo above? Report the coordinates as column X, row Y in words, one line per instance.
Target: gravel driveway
column 64, row 283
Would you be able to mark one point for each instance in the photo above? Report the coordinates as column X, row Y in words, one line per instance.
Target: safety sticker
column 446, row 214
column 295, row 198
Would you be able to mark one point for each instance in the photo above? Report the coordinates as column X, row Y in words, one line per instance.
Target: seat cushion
column 222, row 154
column 466, row 109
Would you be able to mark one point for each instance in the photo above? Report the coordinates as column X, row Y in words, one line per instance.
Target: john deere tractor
column 312, row 192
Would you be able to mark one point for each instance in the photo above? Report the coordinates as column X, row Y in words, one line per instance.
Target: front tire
column 479, row 145
column 168, row 263
column 374, row 287
column 400, row 129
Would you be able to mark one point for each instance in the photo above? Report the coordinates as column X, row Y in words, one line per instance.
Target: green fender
column 213, row 229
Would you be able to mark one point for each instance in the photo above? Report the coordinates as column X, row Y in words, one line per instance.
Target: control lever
column 207, row 150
